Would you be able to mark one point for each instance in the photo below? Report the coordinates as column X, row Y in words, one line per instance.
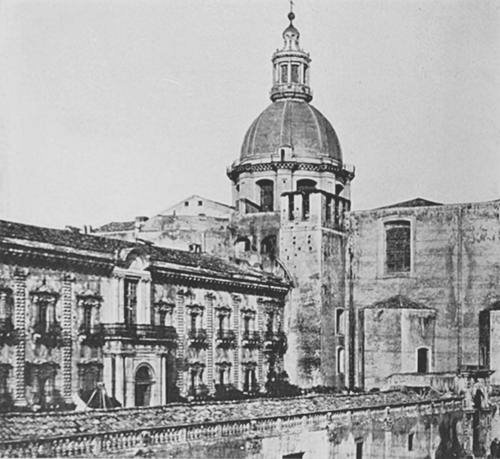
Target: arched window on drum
column 266, row 188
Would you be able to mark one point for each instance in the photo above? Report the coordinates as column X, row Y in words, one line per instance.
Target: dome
column 294, row 123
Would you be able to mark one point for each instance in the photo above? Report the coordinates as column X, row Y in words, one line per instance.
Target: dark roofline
column 53, row 246
column 416, row 202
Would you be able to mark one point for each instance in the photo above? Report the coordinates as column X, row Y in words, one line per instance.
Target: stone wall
column 318, row 426
column 455, row 271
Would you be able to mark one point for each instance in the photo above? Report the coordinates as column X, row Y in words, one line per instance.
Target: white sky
column 115, row 108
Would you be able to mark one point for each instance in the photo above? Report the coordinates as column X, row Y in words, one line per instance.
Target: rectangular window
column 359, row 450
column 295, row 73
column 266, row 195
column 87, row 317
column 340, row 322
column 397, row 247
column 113, row 377
column 410, row 442
column 130, row 301
column 284, row 73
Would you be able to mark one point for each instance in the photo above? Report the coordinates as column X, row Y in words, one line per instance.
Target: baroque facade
column 153, row 324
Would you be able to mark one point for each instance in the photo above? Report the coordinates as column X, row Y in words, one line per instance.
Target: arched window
column 241, row 245
column 340, row 322
column 268, row 246
column 423, row 360
column 284, row 73
column 340, row 360
column 305, row 186
column 266, row 195
column 143, row 386
column 295, row 73
column 397, row 246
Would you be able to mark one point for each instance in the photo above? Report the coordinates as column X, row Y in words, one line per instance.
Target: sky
column 111, row 109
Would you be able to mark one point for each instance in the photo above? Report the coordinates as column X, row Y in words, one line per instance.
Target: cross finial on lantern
column 291, row 14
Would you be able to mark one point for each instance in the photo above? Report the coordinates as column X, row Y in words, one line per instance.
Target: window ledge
column 397, row 275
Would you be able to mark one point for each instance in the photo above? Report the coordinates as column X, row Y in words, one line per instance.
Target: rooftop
column 62, row 240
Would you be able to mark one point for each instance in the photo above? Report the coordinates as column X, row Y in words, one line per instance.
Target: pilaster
column 120, row 379
column 107, row 375
column 180, row 355
column 163, row 379
column 68, row 336
column 260, row 352
column 20, row 305
column 237, row 349
column 211, row 344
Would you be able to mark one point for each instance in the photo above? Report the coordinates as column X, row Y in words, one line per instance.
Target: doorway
column 423, row 360
column 143, row 386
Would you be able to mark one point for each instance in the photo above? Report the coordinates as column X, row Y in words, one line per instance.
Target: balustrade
column 226, row 338
column 251, row 339
column 106, row 442
column 161, row 334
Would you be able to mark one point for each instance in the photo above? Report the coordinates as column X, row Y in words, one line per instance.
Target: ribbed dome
column 294, row 123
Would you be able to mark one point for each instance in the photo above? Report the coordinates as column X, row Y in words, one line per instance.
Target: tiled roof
column 65, row 239
column 115, row 227
column 417, row 202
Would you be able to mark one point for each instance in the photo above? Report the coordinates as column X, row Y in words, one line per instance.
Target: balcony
column 92, row 336
column 141, row 333
column 198, row 391
column 275, row 342
column 7, row 332
column 226, row 338
column 198, row 337
column 251, row 388
column 251, row 339
column 48, row 334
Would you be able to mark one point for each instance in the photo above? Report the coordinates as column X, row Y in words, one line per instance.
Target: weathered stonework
column 454, row 272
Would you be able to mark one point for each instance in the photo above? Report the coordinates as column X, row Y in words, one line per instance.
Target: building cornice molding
column 341, row 172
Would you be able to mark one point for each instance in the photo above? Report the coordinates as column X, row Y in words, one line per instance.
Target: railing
column 251, row 339
column 7, row 332
column 93, row 336
column 251, row 388
column 48, row 334
column 275, row 342
column 335, row 207
column 141, row 333
column 198, row 337
column 226, row 338
column 291, row 89
column 199, row 391
column 103, row 443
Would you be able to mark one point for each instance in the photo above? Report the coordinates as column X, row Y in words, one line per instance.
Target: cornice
column 27, row 253
column 234, row 172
